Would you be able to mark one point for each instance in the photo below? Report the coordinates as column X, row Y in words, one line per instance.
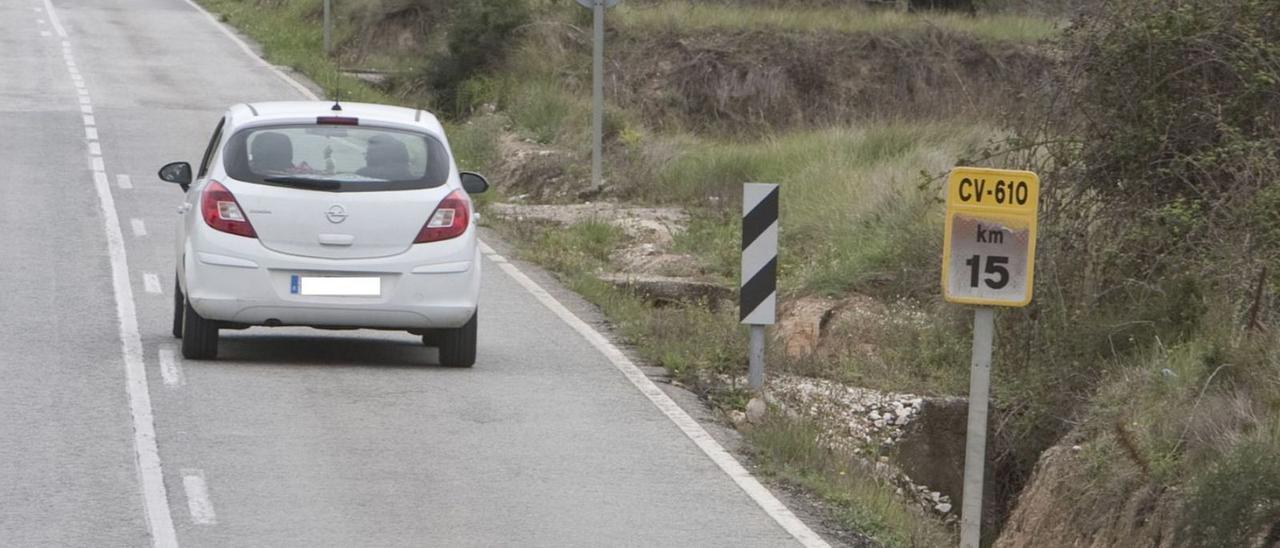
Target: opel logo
column 336, row 214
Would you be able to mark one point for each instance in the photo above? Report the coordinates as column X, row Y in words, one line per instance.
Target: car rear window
column 337, row 158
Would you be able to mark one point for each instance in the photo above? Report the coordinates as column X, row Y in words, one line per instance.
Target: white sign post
column 597, row 88
column 328, row 28
column 988, row 259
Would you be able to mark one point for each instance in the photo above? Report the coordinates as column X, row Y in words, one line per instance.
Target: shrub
column 482, row 33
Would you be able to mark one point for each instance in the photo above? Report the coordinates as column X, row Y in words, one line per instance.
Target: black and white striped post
column 759, row 288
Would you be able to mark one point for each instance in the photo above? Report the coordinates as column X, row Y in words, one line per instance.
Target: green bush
column 482, row 33
column 1237, row 500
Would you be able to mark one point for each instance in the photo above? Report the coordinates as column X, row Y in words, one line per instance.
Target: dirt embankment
column 771, row 80
column 1067, row 503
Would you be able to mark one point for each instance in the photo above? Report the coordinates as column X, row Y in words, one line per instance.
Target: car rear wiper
column 305, row 182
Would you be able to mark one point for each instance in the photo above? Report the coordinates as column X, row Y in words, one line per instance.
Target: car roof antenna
column 337, row 94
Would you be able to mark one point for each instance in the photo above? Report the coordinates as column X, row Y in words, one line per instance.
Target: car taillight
column 222, row 212
column 449, row 220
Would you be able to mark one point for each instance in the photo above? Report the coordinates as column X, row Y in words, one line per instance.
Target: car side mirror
column 177, row 172
column 473, row 183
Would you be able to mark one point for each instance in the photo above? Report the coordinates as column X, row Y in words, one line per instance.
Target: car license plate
column 335, row 286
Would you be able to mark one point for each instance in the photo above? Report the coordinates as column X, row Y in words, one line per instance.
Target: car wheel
column 200, row 336
column 457, row 346
column 178, row 302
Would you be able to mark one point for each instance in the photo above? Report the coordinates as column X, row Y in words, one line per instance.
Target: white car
column 327, row 215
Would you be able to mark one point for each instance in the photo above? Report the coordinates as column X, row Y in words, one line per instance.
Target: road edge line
column 53, row 19
column 158, row 516
column 226, row 30
column 687, row 424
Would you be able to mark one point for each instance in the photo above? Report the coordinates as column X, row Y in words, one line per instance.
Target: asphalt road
column 294, row 437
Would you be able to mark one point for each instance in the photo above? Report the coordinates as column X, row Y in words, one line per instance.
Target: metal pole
column 976, row 443
column 328, row 29
column 755, row 365
column 597, row 99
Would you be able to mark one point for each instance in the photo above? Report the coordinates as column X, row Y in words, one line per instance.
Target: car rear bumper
column 415, row 293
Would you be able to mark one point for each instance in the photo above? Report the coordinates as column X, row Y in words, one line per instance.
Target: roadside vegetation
column 1148, row 352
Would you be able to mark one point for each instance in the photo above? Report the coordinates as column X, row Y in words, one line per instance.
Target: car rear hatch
column 336, row 188
column 336, row 225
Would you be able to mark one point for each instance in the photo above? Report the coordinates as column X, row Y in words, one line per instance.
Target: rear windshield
column 337, row 158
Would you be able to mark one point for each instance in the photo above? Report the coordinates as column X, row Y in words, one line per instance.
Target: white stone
column 756, row 409
column 943, row 508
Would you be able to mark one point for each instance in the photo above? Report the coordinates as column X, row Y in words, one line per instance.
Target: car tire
column 457, row 346
column 178, row 303
column 199, row 336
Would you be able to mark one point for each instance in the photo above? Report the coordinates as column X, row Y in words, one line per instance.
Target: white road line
column 53, row 16
column 150, row 473
column 690, row 427
column 85, row 100
column 95, row 164
column 139, row 228
column 249, row 51
column 45, row 34
column 123, row 182
column 152, row 283
column 95, row 149
column 91, row 133
column 86, row 109
column 90, row 121
column 198, row 498
column 170, row 368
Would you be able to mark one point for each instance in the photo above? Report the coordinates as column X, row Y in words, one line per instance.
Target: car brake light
column 338, row 120
column 222, row 212
column 449, row 220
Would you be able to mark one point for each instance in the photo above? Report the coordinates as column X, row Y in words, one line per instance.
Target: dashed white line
column 86, row 109
column 170, row 368
column 198, row 502
column 139, row 228
column 151, row 283
column 124, row 182
column 85, row 100
column 95, row 164
column 90, row 121
column 91, row 133
column 95, row 149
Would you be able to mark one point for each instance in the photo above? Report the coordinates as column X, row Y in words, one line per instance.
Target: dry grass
column 689, row 17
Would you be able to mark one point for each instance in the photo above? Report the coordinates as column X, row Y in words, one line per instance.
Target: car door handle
column 337, row 239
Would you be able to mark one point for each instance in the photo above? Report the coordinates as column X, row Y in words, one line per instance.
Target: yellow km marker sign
column 989, row 247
